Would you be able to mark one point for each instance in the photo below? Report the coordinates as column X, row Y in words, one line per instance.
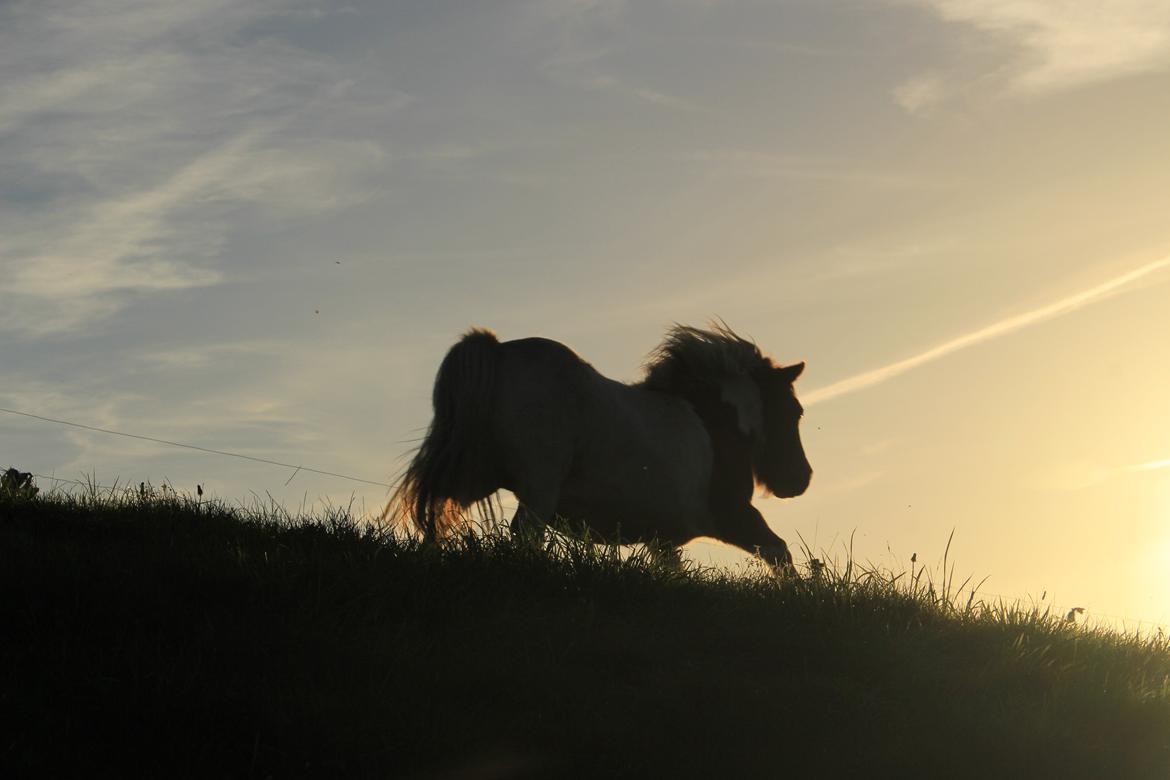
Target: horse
column 662, row 461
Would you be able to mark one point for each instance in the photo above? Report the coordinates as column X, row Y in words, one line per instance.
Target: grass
column 148, row 634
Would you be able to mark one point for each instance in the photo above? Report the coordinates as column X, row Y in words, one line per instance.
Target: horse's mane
column 690, row 356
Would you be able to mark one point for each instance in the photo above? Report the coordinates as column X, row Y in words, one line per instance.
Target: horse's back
column 542, row 390
column 542, row 381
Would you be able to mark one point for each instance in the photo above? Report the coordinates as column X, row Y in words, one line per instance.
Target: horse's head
column 753, row 393
column 778, row 456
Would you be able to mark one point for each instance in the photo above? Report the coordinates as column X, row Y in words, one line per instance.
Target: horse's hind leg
column 537, row 469
column 747, row 530
column 527, row 523
column 536, row 510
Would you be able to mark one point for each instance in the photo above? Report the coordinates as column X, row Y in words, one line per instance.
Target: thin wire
column 75, row 482
column 194, row 447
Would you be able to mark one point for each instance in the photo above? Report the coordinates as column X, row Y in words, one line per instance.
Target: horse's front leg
column 666, row 554
column 745, row 528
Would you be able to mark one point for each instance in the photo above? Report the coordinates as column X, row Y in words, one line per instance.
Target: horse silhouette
column 665, row 460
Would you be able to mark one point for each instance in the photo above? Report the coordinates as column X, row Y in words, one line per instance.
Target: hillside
column 151, row 635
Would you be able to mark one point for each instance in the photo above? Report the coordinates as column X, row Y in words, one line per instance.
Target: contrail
column 1153, row 465
column 1001, row 328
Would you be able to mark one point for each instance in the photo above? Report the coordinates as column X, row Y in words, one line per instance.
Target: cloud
column 580, row 12
column 141, row 134
column 1065, row 43
column 921, row 93
column 1083, row 474
column 1154, row 465
column 1002, row 328
column 58, row 279
column 585, row 72
column 608, row 83
column 850, row 484
column 753, row 164
column 582, row 34
column 203, row 356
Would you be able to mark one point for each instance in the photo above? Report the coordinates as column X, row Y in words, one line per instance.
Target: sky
column 257, row 225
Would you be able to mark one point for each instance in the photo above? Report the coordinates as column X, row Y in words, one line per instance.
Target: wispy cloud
column 850, row 483
column 94, row 256
column 608, row 83
column 583, row 32
column 202, row 356
column 921, row 93
column 1083, row 474
column 1154, row 465
column 995, row 330
column 141, row 129
column 1062, row 43
column 753, row 164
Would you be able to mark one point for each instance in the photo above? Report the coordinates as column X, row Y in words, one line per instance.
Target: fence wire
column 197, row 448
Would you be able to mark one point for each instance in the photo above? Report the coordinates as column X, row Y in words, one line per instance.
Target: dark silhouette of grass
column 155, row 635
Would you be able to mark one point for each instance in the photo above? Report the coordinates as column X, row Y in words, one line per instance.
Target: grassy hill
column 155, row 636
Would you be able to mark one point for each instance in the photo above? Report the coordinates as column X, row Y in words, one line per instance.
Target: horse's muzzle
column 796, row 487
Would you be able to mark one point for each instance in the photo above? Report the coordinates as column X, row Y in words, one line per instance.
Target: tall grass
column 149, row 633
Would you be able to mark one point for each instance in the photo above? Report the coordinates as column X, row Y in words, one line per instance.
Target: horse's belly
column 632, row 521
column 642, row 495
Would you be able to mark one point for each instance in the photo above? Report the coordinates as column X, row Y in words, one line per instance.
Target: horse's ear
column 791, row 373
column 743, row 395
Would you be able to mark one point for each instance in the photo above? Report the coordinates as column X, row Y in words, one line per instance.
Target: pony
column 673, row 457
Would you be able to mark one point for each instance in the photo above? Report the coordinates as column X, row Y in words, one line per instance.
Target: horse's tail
column 454, row 466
